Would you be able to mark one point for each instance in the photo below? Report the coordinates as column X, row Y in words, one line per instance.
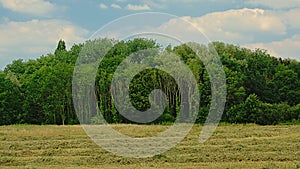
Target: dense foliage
column 260, row 89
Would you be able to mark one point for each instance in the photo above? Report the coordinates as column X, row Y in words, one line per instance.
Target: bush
column 97, row 120
column 255, row 111
column 271, row 114
column 202, row 115
column 166, row 117
column 246, row 112
column 294, row 113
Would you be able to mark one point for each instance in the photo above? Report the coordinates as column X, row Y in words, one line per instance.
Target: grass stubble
column 231, row 146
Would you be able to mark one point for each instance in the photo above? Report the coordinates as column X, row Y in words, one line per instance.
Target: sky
column 31, row 28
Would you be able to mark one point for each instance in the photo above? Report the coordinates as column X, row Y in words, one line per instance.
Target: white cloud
column 276, row 4
column 39, row 31
column 287, row 48
column 103, row 6
column 291, row 18
column 34, row 7
column 253, row 28
column 242, row 25
column 116, row 6
column 36, row 37
column 137, row 7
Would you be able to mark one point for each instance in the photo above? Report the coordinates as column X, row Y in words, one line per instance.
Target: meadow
column 231, row 146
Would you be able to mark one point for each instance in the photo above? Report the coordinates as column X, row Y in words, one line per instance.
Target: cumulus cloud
column 33, row 7
column 137, row 7
column 241, row 25
column 36, row 31
column 276, row 4
column 103, row 6
column 274, row 30
column 291, row 18
column 36, row 37
column 287, row 48
column 162, row 4
column 116, row 6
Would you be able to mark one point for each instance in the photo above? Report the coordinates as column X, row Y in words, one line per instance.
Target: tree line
column 260, row 88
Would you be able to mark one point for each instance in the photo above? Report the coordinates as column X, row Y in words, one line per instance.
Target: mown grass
column 231, row 146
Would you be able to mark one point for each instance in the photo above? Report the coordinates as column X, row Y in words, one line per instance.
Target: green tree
column 61, row 46
column 10, row 101
column 286, row 87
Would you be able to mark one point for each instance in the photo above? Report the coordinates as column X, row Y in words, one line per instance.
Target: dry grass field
column 231, row 146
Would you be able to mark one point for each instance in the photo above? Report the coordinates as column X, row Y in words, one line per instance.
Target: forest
column 261, row 89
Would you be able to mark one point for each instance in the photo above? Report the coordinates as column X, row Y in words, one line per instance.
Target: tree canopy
column 260, row 88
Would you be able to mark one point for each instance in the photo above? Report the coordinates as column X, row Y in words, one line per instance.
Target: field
column 231, row 146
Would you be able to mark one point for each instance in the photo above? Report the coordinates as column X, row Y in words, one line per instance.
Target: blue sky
column 31, row 28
